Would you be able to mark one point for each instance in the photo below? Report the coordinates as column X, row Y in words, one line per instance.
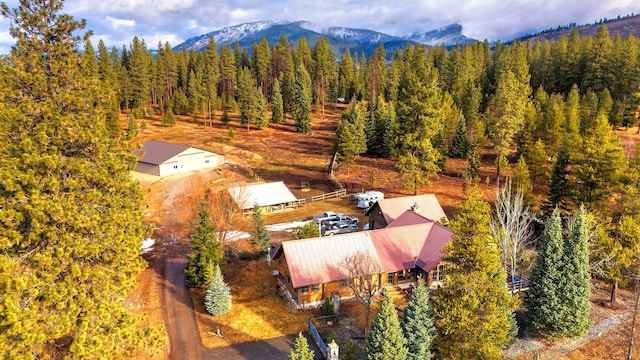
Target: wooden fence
column 333, row 194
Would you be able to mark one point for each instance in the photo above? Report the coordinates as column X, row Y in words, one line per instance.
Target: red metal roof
column 428, row 205
column 317, row 260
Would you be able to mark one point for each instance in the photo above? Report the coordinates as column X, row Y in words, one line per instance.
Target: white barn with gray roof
column 161, row 158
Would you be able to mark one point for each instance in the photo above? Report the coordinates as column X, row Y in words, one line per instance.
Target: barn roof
column 156, row 152
column 428, row 205
column 317, row 260
column 263, row 194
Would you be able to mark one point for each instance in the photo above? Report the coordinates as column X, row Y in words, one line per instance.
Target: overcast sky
column 116, row 22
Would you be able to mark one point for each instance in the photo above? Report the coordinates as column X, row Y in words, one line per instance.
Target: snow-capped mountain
column 448, row 35
column 340, row 38
column 227, row 35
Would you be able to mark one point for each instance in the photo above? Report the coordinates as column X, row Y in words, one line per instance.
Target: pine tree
column 71, row 223
column 460, row 147
column 559, row 187
column 261, row 120
column 420, row 119
column 576, row 285
column 351, row 140
column 598, row 170
column 309, row 230
column 205, row 248
column 418, row 324
column 474, row 309
column 247, row 97
column 261, row 238
column 277, row 109
column 167, row 118
column 301, row 349
column 217, row 299
column 302, row 100
column 474, row 159
column 385, row 340
column 521, row 181
column 543, row 300
column 109, row 78
column 507, row 110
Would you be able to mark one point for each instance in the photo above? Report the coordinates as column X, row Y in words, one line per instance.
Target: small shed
column 272, row 196
column 161, row 158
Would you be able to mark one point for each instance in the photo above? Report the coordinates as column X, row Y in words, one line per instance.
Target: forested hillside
column 623, row 26
column 552, row 104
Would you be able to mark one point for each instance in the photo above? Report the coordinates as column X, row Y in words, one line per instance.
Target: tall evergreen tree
column 418, row 324
column 277, row 109
column 521, row 181
column 302, row 100
column 460, row 147
column 139, row 66
column 474, row 310
column 507, row 111
column 109, row 78
column 577, row 279
column 350, row 135
column 598, row 169
column 71, row 224
column 420, row 118
column 261, row 121
column 301, row 349
column 217, row 299
column 205, row 248
column 543, row 300
column 324, row 71
column 247, row 97
column 559, row 187
column 261, row 237
column 385, row 340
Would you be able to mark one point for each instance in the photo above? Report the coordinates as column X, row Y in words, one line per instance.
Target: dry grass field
column 280, row 154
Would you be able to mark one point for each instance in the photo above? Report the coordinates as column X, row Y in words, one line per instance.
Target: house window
column 390, row 278
column 315, row 287
column 175, row 166
column 344, row 283
column 305, row 289
column 206, row 161
column 437, row 274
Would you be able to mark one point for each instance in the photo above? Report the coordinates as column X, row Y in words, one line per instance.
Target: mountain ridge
column 340, row 38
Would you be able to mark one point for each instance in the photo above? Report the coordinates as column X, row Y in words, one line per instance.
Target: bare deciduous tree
column 511, row 224
column 363, row 273
column 226, row 213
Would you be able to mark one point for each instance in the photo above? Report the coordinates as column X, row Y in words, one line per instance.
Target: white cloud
column 118, row 24
column 175, row 21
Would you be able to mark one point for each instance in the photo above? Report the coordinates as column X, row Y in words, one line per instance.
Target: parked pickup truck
column 331, row 218
column 339, row 228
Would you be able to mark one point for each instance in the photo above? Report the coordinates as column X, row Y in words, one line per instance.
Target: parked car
column 339, row 228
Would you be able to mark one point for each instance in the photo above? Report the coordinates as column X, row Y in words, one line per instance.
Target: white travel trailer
column 365, row 200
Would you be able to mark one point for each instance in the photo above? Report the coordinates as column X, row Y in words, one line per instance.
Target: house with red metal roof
column 385, row 211
column 411, row 246
column 161, row 158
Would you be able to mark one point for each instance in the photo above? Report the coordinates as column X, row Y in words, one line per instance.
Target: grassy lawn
column 257, row 312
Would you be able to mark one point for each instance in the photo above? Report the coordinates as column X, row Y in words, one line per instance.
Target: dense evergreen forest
column 553, row 105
